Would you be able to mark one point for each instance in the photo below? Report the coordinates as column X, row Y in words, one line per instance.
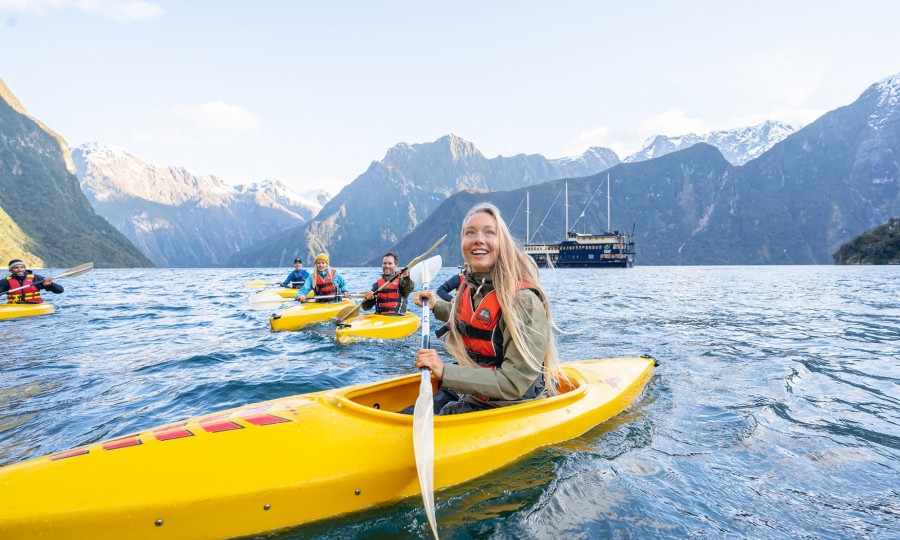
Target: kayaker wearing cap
column 298, row 277
column 392, row 299
column 33, row 283
column 324, row 282
column 499, row 320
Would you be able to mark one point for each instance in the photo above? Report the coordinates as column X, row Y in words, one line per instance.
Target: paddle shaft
column 423, row 425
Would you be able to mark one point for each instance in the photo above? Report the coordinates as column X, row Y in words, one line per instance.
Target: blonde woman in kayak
column 501, row 360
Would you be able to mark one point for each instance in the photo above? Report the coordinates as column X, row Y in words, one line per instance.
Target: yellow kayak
column 14, row 311
column 300, row 315
column 375, row 326
column 290, row 461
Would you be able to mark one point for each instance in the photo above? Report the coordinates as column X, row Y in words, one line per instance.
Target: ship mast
column 608, row 216
column 566, row 232
column 527, row 217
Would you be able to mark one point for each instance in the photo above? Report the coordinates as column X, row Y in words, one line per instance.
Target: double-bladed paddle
column 352, row 311
column 71, row 272
column 423, row 414
column 263, row 301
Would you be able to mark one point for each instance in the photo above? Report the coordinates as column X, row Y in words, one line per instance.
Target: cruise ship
column 612, row 249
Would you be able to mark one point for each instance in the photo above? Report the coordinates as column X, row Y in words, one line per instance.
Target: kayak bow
column 15, row 311
column 298, row 316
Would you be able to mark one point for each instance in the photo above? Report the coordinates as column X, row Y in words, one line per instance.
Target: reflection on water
column 774, row 413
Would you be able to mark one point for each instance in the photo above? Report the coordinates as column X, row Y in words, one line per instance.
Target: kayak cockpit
column 394, row 395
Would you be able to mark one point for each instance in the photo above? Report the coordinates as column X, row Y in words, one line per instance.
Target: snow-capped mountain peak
column 738, row 145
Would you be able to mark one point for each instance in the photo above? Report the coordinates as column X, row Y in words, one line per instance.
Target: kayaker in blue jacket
column 19, row 276
column 325, row 282
column 449, row 288
column 298, row 277
column 500, row 320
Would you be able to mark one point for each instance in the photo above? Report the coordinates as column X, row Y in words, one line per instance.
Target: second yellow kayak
column 15, row 311
column 296, row 317
column 373, row 326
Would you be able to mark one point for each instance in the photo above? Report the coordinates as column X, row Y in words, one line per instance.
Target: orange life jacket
column 479, row 328
column 29, row 295
column 388, row 299
column 325, row 286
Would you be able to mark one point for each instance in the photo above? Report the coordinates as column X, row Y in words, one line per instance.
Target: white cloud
column 598, row 136
column 214, row 123
column 118, row 10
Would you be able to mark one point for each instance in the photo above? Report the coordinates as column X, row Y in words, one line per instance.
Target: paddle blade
column 347, row 313
column 264, row 301
column 423, row 445
column 257, row 284
column 426, row 270
column 78, row 270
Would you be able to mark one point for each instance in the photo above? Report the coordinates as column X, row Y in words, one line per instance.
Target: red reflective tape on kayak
column 215, row 427
column 70, row 453
column 173, row 434
column 264, row 419
column 122, row 444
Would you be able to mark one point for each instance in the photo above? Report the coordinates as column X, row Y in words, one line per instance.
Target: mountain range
column 794, row 204
column 756, row 195
column 180, row 219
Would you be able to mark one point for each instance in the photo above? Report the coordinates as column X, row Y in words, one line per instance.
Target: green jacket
column 508, row 383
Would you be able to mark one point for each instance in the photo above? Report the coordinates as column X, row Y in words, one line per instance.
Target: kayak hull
column 289, row 461
column 298, row 316
column 373, row 326
column 17, row 311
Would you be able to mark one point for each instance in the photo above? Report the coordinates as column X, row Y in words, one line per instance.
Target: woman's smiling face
column 479, row 242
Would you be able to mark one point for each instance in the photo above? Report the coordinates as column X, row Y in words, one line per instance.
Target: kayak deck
column 289, row 461
column 16, row 311
column 374, row 326
column 298, row 316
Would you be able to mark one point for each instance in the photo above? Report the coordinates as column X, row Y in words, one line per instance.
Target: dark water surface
column 775, row 412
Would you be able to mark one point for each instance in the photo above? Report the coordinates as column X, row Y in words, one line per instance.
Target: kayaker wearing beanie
column 392, row 299
column 324, row 282
column 298, row 277
column 499, row 324
column 33, row 283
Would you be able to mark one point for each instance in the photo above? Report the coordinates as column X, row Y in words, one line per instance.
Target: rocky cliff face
column 177, row 218
column 43, row 214
column 396, row 194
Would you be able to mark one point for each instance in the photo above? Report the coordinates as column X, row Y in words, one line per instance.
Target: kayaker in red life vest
column 499, row 325
column 392, row 299
column 452, row 284
column 324, row 282
column 33, row 283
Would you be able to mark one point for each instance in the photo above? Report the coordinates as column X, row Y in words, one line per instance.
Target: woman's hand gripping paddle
column 423, row 415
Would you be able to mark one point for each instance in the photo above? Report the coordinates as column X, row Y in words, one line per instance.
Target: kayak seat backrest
column 568, row 385
column 392, row 396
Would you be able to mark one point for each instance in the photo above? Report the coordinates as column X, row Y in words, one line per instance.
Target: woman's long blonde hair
column 511, row 267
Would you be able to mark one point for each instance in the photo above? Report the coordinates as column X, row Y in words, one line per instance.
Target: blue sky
column 311, row 92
